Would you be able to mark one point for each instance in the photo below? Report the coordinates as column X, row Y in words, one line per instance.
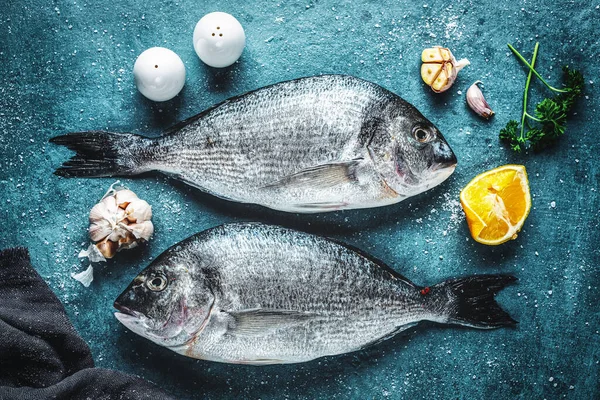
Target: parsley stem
column 532, row 117
column 535, row 51
column 531, row 69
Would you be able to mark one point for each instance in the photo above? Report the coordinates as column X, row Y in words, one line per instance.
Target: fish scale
column 261, row 294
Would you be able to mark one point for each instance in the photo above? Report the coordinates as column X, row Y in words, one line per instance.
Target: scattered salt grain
column 553, row 204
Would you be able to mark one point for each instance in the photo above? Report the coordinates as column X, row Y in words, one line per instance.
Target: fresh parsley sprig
column 549, row 119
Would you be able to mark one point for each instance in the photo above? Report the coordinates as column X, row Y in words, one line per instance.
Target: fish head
column 410, row 153
column 165, row 304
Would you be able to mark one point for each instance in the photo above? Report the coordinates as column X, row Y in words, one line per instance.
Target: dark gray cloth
column 41, row 354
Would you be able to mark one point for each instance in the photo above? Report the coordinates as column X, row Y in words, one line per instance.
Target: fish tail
column 100, row 154
column 470, row 301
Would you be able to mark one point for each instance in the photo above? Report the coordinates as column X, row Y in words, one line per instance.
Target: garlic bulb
column 440, row 68
column 119, row 221
column 477, row 102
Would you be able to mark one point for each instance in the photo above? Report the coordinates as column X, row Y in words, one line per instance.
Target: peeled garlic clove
column 436, row 54
column 143, row 230
column 430, row 72
column 124, row 197
column 440, row 68
column 108, row 248
column 477, row 102
column 444, row 80
column 138, row 210
column 100, row 229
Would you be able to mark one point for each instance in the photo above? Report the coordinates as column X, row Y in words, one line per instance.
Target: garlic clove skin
column 124, row 197
column 118, row 232
column 98, row 213
column 110, row 205
column 138, row 211
column 477, row 102
column 92, row 253
column 143, row 230
column 100, row 229
column 128, row 246
column 128, row 242
column 85, row 277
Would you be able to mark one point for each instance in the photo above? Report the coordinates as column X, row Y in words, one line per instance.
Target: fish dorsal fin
column 258, row 322
column 321, row 176
column 180, row 124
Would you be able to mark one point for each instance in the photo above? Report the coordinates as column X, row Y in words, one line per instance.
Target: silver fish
column 257, row 294
column 313, row 144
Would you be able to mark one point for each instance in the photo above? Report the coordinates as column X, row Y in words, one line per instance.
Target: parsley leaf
column 549, row 120
column 510, row 135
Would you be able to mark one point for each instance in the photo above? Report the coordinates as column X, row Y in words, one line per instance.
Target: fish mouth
column 441, row 172
column 133, row 320
column 443, row 156
column 156, row 331
column 128, row 320
column 127, row 311
column 438, row 167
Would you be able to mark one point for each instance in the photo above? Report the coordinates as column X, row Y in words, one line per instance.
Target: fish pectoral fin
column 321, row 176
column 258, row 322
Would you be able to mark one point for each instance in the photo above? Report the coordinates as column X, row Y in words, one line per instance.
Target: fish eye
column 422, row 135
column 157, row 283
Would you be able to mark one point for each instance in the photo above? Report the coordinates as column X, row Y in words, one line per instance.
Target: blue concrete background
column 66, row 66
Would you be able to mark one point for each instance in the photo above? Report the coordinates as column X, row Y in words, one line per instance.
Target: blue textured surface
column 66, row 66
